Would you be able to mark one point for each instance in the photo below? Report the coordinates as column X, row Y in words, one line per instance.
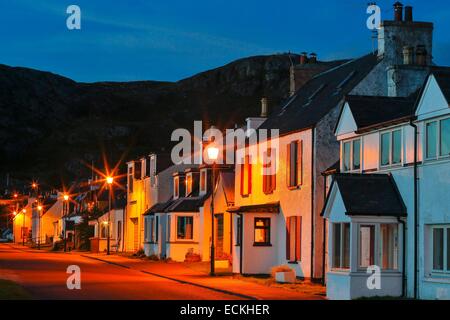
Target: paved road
column 44, row 275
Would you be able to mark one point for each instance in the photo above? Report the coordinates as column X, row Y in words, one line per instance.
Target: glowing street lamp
column 213, row 154
column 65, row 209
column 109, row 181
column 15, row 195
column 66, row 197
column 39, row 207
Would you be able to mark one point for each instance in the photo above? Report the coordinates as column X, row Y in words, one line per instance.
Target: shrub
column 192, row 257
column 153, row 257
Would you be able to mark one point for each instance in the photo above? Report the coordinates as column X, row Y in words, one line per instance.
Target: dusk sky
column 170, row 40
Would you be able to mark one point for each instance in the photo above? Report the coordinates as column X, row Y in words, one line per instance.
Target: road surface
column 44, row 275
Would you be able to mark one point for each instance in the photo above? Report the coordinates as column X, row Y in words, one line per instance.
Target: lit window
column 352, row 155
column 185, row 227
column 176, row 187
column 269, row 171
column 262, row 231
column 188, row 184
column 391, row 148
column 341, row 246
column 203, row 181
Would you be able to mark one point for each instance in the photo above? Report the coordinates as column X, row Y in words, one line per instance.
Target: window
column 238, row 230
column 269, row 171
column 130, row 179
column 119, row 230
column 441, row 249
column 391, row 148
column 169, row 227
column 352, row 155
column 188, row 184
column 366, row 246
column 438, row 139
column 176, row 187
column 246, row 177
column 103, row 230
column 262, row 232
column 185, row 227
column 341, row 246
column 294, row 164
column 138, row 170
column 203, row 181
column 389, row 246
column 293, row 238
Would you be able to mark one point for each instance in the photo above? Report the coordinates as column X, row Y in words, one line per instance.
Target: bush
column 276, row 269
column 192, row 257
column 153, row 257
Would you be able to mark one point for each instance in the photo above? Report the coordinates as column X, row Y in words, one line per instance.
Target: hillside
column 49, row 123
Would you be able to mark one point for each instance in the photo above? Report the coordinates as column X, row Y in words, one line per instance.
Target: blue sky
column 170, row 40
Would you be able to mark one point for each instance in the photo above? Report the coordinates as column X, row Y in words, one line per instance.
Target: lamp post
column 66, row 199
column 39, row 207
column 23, row 226
column 213, row 153
column 109, row 181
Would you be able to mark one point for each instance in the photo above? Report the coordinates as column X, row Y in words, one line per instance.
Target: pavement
column 44, row 275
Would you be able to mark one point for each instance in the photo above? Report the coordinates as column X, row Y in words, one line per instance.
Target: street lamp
column 109, row 181
column 39, row 207
column 66, row 199
column 23, row 226
column 213, row 154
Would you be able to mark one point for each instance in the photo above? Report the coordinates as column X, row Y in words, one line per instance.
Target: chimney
column 421, row 55
column 312, row 57
column 303, row 58
column 264, row 107
column 398, row 11
column 408, row 14
column 408, row 55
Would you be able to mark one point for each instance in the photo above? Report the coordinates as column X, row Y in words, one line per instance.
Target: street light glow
column 15, row 195
column 109, row 180
column 213, row 152
column 66, row 197
column 24, row 210
column 39, row 208
column 34, row 185
column 15, row 213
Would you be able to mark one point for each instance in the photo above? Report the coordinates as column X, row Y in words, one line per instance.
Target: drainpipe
column 241, row 249
column 324, row 235
column 416, row 212
column 403, row 257
column 312, row 201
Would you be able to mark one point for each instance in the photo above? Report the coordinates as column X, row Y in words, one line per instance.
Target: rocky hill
column 50, row 125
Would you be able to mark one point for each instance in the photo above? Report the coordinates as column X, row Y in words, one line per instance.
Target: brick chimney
column 264, row 107
column 408, row 14
column 398, row 11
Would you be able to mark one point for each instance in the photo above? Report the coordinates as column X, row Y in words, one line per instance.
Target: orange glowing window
column 262, row 232
column 269, row 171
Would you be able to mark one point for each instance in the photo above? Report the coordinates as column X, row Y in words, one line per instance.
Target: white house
column 395, row 175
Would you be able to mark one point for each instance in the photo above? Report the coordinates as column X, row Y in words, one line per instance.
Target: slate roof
column 159, row 207
column 371, row 111
column 370, row 195
column 319, row 96
column 189, row 204
column 271, row 207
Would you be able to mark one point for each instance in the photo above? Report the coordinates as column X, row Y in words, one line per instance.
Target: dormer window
column 188, row 184
column 351, row 155
column 391, row 148
column 203, row 181
column 176, row 187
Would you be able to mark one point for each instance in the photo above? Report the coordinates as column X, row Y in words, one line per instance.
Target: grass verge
column 10, row 290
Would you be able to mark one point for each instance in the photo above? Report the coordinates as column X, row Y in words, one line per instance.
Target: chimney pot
column 408, row 14
column 408, row 55
column 398, row 11
column 421, row 55
column 303, row 58
column 264, row 107
column 312, row 58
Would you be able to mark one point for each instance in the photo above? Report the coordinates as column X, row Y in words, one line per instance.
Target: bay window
column 441, row 249
column 341, row 246
column 391, row 148
column 352, row 155
column 437, row 139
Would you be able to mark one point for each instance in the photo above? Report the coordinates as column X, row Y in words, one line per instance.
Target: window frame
column 267, row 243
column 176, row 187
column 297, row 166
column 438, row 155
column 446, row 261
column 246, row 173
column 189, row 183
column 203, row 181
column 391, row 148
column 342, row 249
column 178, row 217
column 352, row 165
column 269, row 184
column 130, row 179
